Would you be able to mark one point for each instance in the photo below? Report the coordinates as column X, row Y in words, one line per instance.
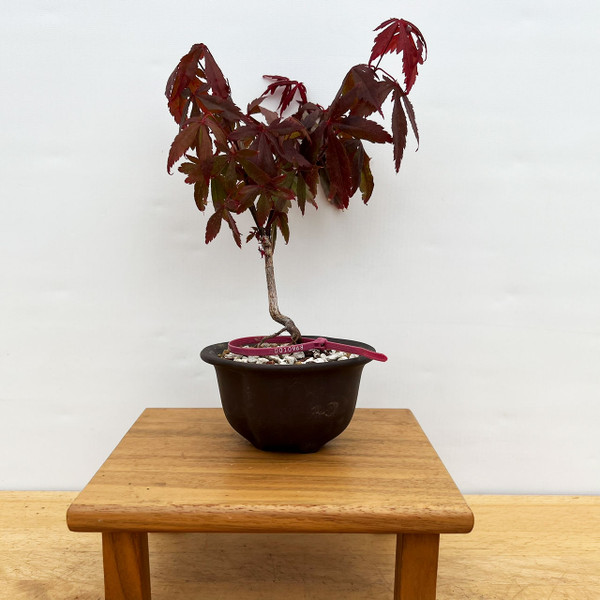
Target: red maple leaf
column 398, row 35
column 188, row 78
column 290, row 87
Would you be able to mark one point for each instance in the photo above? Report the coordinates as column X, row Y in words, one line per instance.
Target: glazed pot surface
column 288, row 408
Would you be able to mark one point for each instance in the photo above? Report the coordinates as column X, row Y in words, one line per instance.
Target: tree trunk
column 274, row 311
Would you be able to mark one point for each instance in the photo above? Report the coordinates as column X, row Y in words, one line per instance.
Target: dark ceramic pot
column 288, row 408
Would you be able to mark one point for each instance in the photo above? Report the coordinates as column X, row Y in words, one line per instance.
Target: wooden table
column 185, row 470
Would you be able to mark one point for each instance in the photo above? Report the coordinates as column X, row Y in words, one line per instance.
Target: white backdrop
column 476, row 269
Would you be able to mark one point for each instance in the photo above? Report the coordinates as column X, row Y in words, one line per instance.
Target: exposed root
column 270, row 337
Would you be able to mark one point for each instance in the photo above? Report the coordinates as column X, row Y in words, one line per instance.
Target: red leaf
column 184, row 77
column 196, row 170
column 398, row 35
column 363, row 129
column 214, row 76
column 269, row 115
column 410, row 111
column 263, row 147
column 232, row 225
column 213, row 226
column 289, row 127
column 289, row 151
column 204, row 144
column 290, row 88
column 339, row 171
column 224, row 106
column 188, row 78
column 311, row 178
column 360, row 93
column 216, row 129
column 355, row 152
column 399, row 128
column 183, row 141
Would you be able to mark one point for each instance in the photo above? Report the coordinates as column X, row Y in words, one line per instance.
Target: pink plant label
column 247, row 347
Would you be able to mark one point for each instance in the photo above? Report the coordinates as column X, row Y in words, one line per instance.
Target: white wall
column 477, row 269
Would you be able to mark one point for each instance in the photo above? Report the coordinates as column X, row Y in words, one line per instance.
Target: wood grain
column 522, row 547
column 126, row 566
column 187, row 470
column 416, row 567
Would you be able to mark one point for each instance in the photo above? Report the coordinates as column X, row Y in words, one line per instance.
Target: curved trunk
column 276, row 314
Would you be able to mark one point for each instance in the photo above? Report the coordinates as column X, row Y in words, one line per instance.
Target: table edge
column 253, row 519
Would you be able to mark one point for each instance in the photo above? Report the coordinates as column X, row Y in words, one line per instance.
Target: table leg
column 126, row 566
column 416, row 566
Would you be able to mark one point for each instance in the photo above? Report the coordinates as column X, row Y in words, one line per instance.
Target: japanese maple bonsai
column 266, row 161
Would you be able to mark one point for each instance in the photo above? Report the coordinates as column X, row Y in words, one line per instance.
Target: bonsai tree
column 266, row 161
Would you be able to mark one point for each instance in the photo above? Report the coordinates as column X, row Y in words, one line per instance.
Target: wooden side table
column 186, row 470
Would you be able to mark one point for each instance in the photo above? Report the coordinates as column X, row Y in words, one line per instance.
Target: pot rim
column 210, row 355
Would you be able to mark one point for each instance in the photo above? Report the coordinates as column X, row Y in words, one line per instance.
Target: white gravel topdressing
column 295, row 358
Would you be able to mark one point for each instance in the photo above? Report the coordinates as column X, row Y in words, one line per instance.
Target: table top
column 186, row 470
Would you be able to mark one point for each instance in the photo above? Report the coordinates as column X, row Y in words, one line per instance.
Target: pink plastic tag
column 238, row 347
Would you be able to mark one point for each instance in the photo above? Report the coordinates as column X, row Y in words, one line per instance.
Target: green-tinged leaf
column 185, row 139
column 263, row 208
column 399, row 129
column 289, row 127
column 219, row 164
column 218, row 192
column 366, row 179
column 213, row 226
column 300, row 188
column 246, row 196
column 281, row 221
column 364, row 129
column 201, row 194
column 254, row 172
column 283, row 201
column 230, row 178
